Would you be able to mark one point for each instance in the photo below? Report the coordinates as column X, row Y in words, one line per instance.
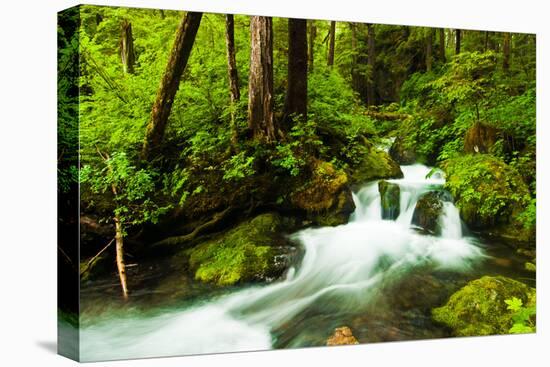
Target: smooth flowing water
column 381, row 277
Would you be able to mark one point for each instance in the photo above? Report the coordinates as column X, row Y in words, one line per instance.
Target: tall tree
column 185, row 37
column 442, row 45
column 332, row 40
column 371, row 64
column 127, row 53
column 296, row 93
column 233, row 75
column 311, row 43
column 506, row 51
column 260, row 82
column 458, row 40
column 429, row 46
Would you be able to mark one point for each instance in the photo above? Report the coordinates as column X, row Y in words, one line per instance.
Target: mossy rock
column 376, row 164
column 479, row 307
column 489, row 194
column 252, row 251
column 390, row 199
column 401, row 152
column 428, row 209
column 325, row 197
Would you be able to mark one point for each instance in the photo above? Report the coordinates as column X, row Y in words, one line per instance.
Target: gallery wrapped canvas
column 239, row 183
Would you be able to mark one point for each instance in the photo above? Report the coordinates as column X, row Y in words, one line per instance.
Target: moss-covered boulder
column 402, row 152
column 252, row 251
column 390, row 199
column 479, row 307
column 325, row 197
column 428, row 209
column 490, row 195
column 376, row 164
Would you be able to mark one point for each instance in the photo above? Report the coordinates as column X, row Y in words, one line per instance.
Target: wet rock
column 428, row 209
column 342, row 336
column 326, row 197
column 252, row 251
column 390, row 199
column 401, row 153
column 479, row 307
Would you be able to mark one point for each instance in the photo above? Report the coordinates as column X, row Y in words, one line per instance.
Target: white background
column 28, row 182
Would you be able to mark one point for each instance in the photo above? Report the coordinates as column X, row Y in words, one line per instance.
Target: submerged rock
column 376, row 164
column 390, row 199
column 326, row 197
column 252, row 251
column 479, row 307
column 428, row 209
column 342, row 336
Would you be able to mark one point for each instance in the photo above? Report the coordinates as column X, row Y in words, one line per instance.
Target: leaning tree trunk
column 429, row 45
column 232, row 72
column 260, row 82
column 127, row 53
column 185, row 37
column 312, row 35
column 332, row 40
column 371, row 64
column 506, row 51
column 296, row 93
column 457, row 42
column 442, row 45
column 119, row 239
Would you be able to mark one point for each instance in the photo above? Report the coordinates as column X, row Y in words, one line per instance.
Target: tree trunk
column 354, row 51
column 457, row 43
column 332, row 40
column 429, row 45
column 442, row 45
column 312, row 35
column 296, row 93
column 185, row 37
column 260, row 85
column 506, row 51
column 371, row 64
column 486, row 43
column 127, row 53
column 120, row 256
column 234, row 90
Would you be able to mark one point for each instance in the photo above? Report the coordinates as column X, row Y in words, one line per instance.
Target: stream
column 379, row 277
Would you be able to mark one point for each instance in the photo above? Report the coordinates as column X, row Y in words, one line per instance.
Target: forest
column 321, row 182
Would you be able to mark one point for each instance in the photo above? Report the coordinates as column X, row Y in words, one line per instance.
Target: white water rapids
column 341, row 266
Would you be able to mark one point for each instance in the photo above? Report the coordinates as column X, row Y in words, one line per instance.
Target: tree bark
column 332, row 40
column 185, row 37
column 442, row 45
column 127, row 53
column 311, row 48
column 506, row 51
column 120, row 256
column 260, row 86
column 457, row 42
column 296, row 93
column 429, row 45
column 232, row 72
column 371, row 65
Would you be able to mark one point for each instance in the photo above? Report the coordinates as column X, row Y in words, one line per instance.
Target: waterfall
column 341, row 267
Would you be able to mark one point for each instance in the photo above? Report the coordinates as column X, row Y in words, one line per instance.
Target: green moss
column 479, row 307
column 376, row 164
column 243, row 254
column 390, row 199
column 487, row 191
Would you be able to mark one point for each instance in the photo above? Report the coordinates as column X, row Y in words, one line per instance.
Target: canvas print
column 241, row 183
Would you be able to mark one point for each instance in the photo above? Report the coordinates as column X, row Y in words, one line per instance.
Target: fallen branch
column 177, row 240
column 390, row 116
column 90, row 262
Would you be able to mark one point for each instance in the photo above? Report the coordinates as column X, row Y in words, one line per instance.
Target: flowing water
column 380, row 277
